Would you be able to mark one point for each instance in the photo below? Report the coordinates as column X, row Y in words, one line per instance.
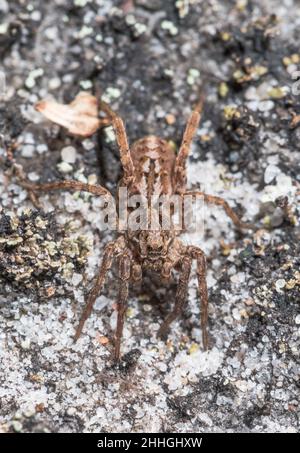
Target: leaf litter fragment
column 80, row 117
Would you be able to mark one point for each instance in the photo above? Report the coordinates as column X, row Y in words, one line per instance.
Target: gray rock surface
column 149, row 60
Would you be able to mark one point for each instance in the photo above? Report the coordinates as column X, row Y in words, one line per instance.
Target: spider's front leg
column 185, row 147
column 109, row 253
column 121, row 136
column 70, row 185
column 199, row 255
column 181, row 295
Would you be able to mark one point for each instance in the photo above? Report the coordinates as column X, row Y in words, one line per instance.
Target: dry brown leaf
column 80, row 117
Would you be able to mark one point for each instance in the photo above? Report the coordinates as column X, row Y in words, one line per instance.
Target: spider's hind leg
column 124, row 277
column 181, row 295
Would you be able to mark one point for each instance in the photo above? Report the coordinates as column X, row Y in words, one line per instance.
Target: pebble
column 51, row 33
column 4, row 6
column 42, row 148
column 130, row 19
column 280, row 284
column 54, row 83
column 170, row 119
column 64, row 167
column 183, row 8
column 110, row 136
column 170, row 27
column 27, row 151
column 25, row 344
column 86, row 84
column 36, row 16
column 33, row 176
column 270, row 173
column 33, row 75
column 265, row 106
column 71, row 411
column 69, row 154
column 76, row 279
column 81, row 3
column 193, row 75
column 99, row 37
column 162, row 367
column 110, row 94
column 92, row 179
column 3, row 28
column 297, row 319
column 17, row 426
column 85, row 31
column 139, row 29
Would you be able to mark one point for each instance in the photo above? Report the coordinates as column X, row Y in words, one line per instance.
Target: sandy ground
column 149, row 60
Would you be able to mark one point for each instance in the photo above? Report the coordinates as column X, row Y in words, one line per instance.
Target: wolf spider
column 150, row 167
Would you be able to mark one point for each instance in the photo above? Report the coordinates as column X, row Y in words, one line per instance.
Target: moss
column 33, row 250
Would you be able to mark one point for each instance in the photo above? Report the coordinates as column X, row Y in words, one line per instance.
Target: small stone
column 81, row 3
column 162, row 367
column 277, row 92
column 109, row 134
column 194, row 348
column 110, row 94
column 270, row 173
column 27, row 151
column 76, row 279
column 4, row 8
column 241, row 5
column 36, row 16
column 54, row 83
column 170, row 27
column 193, row 75
column 41, row 149
column 50, row 291
column 130, row 19
column 223, row 89
column 182, row 7
column 139, row 29
column 92, row 179
column 103, row 340
column 241, row 385
column 69, row 154
column 85, row 31
column 86, row 84
column 99, row 38
column 33, row 75
column 279, row 285
column 3, row 28
column 64, row 167
column 71, row 411
column 297, row 319
column 51, row 33
column 25, row 344
column 265, row 106
column 170, row 119
column 17, row 426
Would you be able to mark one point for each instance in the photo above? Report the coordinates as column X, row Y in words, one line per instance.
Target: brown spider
column 150, row 167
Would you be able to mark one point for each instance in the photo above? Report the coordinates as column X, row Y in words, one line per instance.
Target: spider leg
column 124, row 276
column 71, row 185
column 199, row 255
column 181, row 295
column 184, row 150
column 223, row 203
column 122, row 141
column 109, row 253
